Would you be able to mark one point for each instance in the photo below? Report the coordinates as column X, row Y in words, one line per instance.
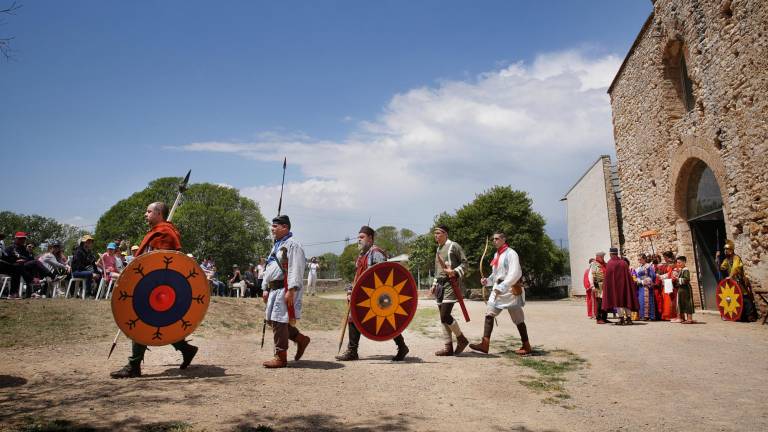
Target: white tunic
column 276, row 309
column 508, row 270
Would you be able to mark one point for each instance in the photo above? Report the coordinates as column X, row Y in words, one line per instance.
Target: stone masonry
column 662, row 135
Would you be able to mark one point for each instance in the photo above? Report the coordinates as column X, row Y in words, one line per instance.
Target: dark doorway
column 705, row 217
column 708, row 237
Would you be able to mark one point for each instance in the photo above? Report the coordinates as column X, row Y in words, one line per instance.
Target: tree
column 213, row 220
column 329, row 265
column 347, row 262
column 508, row 210
column 40, row 229
column 421, row 253
column 5, row 42
column 392, row 240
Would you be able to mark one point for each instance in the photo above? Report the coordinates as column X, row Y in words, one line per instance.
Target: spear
column 279, row 208
column 182, row 188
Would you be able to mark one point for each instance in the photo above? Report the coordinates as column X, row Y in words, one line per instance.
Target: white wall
column 588, row 228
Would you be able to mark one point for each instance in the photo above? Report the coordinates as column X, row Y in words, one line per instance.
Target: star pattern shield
column 730, row 299
column 384, row 301
column 160, row 298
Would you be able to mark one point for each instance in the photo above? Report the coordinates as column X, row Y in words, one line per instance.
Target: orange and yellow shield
column 730, row 298
column 384, row 301
column 160, row 298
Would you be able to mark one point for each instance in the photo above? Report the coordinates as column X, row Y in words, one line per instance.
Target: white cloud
column 536, row 127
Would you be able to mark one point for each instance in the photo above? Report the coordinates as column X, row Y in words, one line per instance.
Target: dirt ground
column 650, row 376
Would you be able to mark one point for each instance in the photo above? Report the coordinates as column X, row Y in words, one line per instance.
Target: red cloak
column 164, row 236
column 618, row 287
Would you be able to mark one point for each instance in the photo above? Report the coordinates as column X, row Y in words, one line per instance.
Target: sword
column 279, row 208
column 456, row 288
column 176, row 204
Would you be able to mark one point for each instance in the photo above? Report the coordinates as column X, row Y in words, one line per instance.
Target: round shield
column 160, row 298
column 731, row 299
column 384, row 301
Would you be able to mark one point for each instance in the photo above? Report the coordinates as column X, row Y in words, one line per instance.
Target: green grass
column 426, row 321
column 44, row 322
column 39, row 425
column 550, row 367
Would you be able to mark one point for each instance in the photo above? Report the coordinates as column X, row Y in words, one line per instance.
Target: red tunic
column 588, row 288
column 163, row 236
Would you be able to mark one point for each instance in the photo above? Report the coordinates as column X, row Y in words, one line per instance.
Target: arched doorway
column 704, row 212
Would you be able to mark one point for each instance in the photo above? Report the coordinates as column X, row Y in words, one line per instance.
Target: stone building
column 593, row 208
column 690, row 120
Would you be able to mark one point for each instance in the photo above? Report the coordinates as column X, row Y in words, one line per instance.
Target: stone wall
column 658, row 139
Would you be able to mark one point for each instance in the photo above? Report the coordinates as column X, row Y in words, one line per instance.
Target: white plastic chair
column 6, row 280
column 77, row 282
column 107, row 290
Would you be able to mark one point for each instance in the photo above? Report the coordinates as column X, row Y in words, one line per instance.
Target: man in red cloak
column 619, row 288
column 163, row 235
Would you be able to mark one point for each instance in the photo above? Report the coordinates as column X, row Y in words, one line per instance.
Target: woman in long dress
column 645, row 296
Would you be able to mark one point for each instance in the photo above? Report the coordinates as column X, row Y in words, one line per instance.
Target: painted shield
column 384, row 301
column 731, row 300
column 160, row 298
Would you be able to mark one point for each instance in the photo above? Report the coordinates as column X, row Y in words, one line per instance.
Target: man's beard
column 363, row 247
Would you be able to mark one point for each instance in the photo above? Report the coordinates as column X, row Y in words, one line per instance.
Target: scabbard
column 459, row 297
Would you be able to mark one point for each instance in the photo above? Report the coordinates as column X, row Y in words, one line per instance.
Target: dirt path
column 654, row 376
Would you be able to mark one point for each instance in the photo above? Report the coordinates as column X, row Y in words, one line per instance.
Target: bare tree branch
column 5, row 42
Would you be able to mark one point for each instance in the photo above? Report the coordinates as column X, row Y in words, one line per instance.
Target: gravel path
column 651, row 376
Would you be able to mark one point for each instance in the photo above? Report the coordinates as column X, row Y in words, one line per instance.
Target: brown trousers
column 282, row 333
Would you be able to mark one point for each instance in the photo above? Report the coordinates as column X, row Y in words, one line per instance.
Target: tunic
column 685, row 293
column 453, row 255
column 506, row 273
column 277, row 309
column 597, row 276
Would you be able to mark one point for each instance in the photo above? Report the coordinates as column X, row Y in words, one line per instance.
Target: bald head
column 156, row 213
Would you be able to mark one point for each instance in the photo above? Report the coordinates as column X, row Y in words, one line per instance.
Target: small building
column 690, row 121
column 593, row 207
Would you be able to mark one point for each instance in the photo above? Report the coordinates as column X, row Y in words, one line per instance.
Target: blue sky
column 394, row 110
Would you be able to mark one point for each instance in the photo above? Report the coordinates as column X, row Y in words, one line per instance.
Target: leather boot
column 279, row 361
column 349, row 355
column 447, row 351
column 525, row 349
column 461, row 343
column 187, row 355
column 301, row 344
column 128, row 371
column 402, row 351
column 482, row 346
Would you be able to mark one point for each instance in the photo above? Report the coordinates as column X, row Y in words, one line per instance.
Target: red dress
column 590, row 299
column 668, row 301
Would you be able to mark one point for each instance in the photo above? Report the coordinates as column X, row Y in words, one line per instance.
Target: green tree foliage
column 392, row 240
column 213, row 220
column 39, row 229
column 329, row 265
column 421, row 251
column 347, row 262
column 508, row 210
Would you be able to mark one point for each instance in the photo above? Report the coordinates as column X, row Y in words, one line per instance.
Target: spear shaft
column 279, row 208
